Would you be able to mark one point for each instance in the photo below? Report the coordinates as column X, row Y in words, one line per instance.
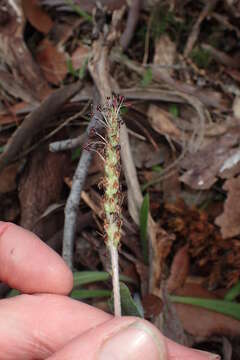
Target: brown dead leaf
column 8, row 178
column 229, row 219
column 40, row 185
column 201, row 322
column 9, row 115
column 37, row 17
column 165, row 52
column 52, row 61
column 214, row 257
column 179, row 270
column 79, row 56
column 161, row 122
column 236, row 107
column 162, row 247
column 152, row 305
column 205, row 165
column 24, row 73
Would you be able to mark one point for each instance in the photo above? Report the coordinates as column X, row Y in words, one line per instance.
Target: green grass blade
column 12, row 293
column 233, row 293
column 228, row 308
column 79, row 11
column 88, row 277
column 82, row 294
column 144, row 211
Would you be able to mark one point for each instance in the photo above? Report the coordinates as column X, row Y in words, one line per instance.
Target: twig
column 67, row 144
column 73, row 200
column 196, row 28
column 221, row 57
column 132, row 20
column 147, row 40
column 162, row 77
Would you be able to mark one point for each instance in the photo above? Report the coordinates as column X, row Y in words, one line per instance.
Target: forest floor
column 177, row 64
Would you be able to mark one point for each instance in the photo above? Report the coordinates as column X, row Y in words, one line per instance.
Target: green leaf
column 233, row 293
column 173, row 109
column 76, row 154
column 128, row 305
column 143, row 226
column 79, row 11
column 201, row 57
column 228, row 308
column 1, row 149
column 89, row 294
column 157, row 168
column 147, row 77
column 70, row 67
column 12, row 293
column 88, row 277
column 83, row 70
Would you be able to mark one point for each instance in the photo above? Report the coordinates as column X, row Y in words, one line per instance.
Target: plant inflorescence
column 108, row 148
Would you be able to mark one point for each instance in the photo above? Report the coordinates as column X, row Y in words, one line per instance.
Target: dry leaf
column 229, row 219
column 165, row 51
column 79, row 56
column 40, row 185
column 236, row 107
column 9, row 115
column 152, row 305
column 205, row 165
column 37, row 17
column 15, row 53
column 8, row 178
column 52, row 61
column 179, row 270
column 161, row 122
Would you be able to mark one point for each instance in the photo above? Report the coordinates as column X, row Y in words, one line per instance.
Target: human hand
column 50, row 325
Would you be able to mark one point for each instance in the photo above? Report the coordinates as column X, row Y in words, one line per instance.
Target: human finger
column 29, row 265
column 36, row 326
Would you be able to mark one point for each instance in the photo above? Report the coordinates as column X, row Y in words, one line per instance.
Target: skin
column 44, row 323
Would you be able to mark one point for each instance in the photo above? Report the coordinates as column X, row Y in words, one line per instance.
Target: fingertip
column 29, row 265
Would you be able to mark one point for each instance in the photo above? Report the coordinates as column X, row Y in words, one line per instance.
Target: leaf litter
column 180, row 76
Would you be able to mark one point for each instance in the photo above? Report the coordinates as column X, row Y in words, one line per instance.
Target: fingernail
column 208, row 355
column 137, row 341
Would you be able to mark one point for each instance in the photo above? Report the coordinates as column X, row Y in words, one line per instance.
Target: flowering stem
column 112, row 197
column 115, row 279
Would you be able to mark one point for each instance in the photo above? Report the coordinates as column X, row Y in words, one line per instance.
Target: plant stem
column 115, row 278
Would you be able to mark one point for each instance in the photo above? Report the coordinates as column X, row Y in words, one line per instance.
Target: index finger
column 29, row 265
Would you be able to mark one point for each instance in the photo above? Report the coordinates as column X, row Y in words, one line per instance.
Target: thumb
column 124, row 338
column 127, row 338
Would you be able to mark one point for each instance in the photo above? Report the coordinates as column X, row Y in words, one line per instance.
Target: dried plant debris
column 214, row 257
column 206, row 165
column 229, row 219
column 40, row 185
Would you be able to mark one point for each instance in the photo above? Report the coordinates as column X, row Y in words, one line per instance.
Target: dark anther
column 92, row 132
column 86, row 146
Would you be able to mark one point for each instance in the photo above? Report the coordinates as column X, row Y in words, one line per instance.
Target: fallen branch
column 132, row 20
column 71, row 208
column 210, row 5
column 36, row 121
